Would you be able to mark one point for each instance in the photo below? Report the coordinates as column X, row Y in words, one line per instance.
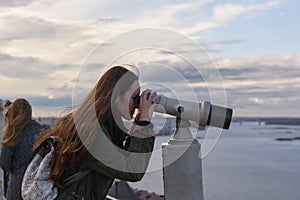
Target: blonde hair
column 17, row 117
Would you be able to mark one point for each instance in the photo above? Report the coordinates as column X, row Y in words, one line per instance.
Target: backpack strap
column 76, row 177
column 44, row 148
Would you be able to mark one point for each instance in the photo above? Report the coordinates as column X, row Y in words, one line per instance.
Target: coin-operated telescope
column 182, row 153
column 203, row 113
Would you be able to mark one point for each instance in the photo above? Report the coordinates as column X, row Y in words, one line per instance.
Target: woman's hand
column 146, row 106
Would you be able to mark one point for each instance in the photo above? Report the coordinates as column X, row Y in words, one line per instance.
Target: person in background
column 19, row 135
column 4, row 104
column 94, row 140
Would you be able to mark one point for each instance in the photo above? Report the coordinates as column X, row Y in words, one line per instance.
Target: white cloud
column 269, row 84
column 226, row 12
column 31, row 31
column 222, row 14
column 13, row 3
column 43, row 42
column 56, row 42
column 57, row 9
column 266, row 101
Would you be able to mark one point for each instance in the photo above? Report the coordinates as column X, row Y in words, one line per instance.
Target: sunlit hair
column 73, row 147
column 17, row 117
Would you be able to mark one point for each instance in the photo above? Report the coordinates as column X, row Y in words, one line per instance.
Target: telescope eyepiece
column 137, row 99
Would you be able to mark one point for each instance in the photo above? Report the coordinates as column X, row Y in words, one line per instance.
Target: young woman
column 19, row 131
column 94, row 143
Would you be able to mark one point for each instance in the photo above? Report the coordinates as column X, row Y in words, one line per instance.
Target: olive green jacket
column 106, row 162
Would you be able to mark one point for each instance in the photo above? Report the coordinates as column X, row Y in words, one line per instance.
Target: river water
column 246, row 163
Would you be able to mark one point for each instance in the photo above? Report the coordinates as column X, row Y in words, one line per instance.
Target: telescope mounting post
column 182, row 165
column 182, row 134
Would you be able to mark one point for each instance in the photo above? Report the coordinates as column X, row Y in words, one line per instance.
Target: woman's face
column 125, row 105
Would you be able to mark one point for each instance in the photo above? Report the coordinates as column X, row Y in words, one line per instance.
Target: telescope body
column 203, row 113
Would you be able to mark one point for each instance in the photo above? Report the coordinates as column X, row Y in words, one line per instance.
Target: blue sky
column 254, row 45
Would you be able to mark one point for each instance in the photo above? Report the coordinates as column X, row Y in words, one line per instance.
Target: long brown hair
column 78, row 130
column 17, row 117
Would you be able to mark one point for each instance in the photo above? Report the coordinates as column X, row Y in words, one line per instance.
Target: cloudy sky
column 45, row 48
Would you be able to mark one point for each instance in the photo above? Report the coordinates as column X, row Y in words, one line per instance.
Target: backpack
column 36, row 183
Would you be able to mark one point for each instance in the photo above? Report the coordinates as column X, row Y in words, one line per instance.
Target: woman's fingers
column 147, row 104
column 148, row 96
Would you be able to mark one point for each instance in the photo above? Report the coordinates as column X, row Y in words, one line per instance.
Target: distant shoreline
column 269, row 120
